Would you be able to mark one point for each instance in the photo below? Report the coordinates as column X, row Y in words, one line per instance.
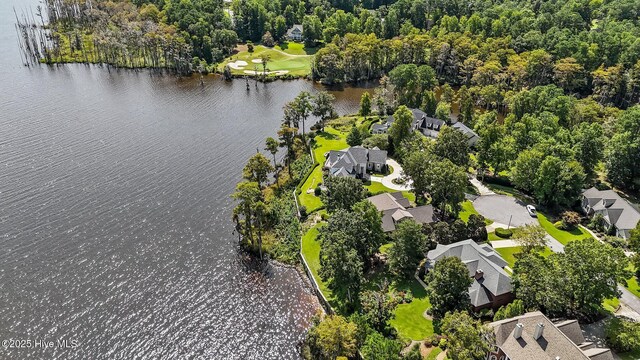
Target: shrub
column 408, row 297
column 570, row 219
column 615, row 241
column 317, row 191
column 249, row 46
column 504, row 233
column 442, row 344
column 597, row 223
column 516, row 308
column 303, row 211
column 622, row 335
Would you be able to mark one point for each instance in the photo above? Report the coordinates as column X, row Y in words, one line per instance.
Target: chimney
column 479, row 274
column 517, row 332
column 539, row 330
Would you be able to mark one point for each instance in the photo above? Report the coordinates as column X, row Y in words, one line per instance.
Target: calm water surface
column 114, row 214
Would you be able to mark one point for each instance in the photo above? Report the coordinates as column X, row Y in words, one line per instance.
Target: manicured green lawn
column 377, row 188
column 307, row 198
column 467, row 210
column 564, row 237
column 408, row 319
column 311, row 253
column 294, row 48
column 611, row 305
column 434, row 353
column 329, row 139
column 632, row 283
column 508, row 254
column 287, row 60
column 493, row 237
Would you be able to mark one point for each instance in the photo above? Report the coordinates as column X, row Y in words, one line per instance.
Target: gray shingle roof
column 613, row 207
column 395, row 207
column 377, row 156
column 553, row 343
column 349, row 160
column 477, row 257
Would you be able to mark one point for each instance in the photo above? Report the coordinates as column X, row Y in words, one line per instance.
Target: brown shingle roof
column 553, row 343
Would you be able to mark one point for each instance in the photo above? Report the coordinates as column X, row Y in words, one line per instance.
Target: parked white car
column 531, row 210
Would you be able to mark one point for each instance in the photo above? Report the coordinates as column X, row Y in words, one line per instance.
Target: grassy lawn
column 493, row 237
column 467, row 210
column 377, row 188
column 408, row 319
column 289, row 60
column 310, row 200
column 434, row 353
column 632, row 282
column 294, row 48
column 311, row 253
column 329, row 139
column 562, row 236
column 611, row 305
column 508, row 254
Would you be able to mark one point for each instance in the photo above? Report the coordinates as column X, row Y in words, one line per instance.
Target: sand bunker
column 257, row 61
column 278, row 72
column 238, row 65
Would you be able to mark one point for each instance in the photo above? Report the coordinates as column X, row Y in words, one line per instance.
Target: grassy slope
column 508, row 254
column 296, row 65
column 434, row 353
column 562, row 236
column 310, row 200
column 330, row 139
column 468, row 210
column 408, row 319
column 311, row 253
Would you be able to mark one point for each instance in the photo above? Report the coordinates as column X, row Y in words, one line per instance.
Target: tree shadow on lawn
column 327, row 135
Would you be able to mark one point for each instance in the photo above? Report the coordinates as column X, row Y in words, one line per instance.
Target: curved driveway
column 388, row 180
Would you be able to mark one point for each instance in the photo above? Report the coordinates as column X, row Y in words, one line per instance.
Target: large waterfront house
column 356, row 161
column 396, row 208
column 428, row 126
column 295, row 33
column 534, row 336
column 619, row 215
column 491, row 286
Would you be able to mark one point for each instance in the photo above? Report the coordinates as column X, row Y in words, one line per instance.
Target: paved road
column 629, row 299
column 502, row 208
column 553, row 244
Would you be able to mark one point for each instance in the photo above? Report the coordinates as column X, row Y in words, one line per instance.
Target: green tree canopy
column 466, row 336
column 448, row 286
column 402, row 125
column 408, row 249
column 342, row 193
column 332, row 337
column 453, row 145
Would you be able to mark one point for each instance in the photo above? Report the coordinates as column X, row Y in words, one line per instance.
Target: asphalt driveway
column 500, row 208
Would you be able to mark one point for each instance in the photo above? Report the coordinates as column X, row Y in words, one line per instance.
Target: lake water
column 115, row 231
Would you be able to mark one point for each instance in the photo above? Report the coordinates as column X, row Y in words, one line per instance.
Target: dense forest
column 585, row 47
